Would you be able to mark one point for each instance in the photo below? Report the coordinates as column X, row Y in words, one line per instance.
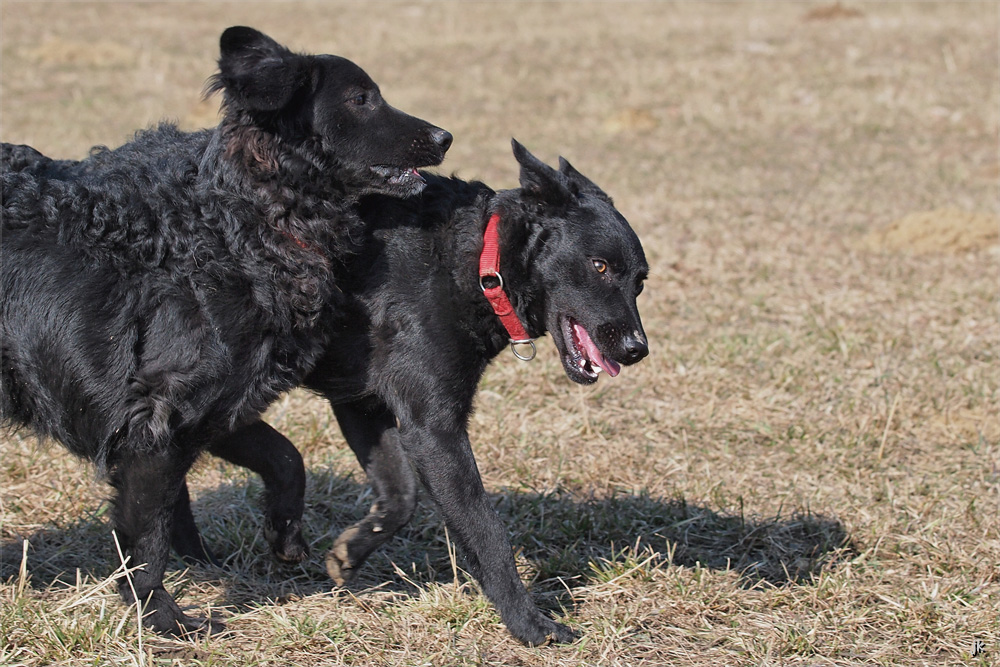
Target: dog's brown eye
column 600, row 265
column 358, row 100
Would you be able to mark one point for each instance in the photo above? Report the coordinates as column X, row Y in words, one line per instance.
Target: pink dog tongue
column 592, row 354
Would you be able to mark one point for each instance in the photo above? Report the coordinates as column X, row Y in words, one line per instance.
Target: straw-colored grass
column 806, row 470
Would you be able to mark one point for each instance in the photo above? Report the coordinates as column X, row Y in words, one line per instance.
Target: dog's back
column 18, row 157
column 132, row 206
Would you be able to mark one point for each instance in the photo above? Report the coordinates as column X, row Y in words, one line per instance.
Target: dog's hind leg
column 147, row 485
column 184, row 536
column 279, row 464
column 373, row 436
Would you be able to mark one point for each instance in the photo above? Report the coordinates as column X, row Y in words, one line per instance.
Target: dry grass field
column 805, row 471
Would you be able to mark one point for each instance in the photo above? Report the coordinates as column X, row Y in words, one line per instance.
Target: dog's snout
column 442, row 138
column 635, row 347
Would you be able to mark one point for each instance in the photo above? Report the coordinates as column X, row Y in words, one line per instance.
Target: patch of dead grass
column 805, row 471
column 81, row 54
column 946, row 230
column 833, row 12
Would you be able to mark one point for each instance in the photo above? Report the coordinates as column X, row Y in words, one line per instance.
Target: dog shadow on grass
column 567, row 542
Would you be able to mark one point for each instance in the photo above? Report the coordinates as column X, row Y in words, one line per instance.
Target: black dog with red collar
column 407, row 351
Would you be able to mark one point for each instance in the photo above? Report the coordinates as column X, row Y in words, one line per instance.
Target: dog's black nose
column 635, row 347
column 442, row 138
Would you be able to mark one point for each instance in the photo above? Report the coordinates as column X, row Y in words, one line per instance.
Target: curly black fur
column 159, row 295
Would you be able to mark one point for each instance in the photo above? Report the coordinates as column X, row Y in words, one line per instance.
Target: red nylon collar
column 489, row 265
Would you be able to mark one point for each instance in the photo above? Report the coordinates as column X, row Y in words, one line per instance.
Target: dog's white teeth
column 589, row 368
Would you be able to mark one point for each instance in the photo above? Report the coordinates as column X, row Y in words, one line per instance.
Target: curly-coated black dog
column 416, row 331
column 159, row 296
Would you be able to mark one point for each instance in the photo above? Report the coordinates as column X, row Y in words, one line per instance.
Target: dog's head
column 327, row 110
column 585, row 266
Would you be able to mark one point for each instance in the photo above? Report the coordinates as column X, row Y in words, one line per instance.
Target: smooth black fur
column 158, row 296
column 414, row 334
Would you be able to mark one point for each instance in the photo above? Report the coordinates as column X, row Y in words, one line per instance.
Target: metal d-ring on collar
column 523, row 357
column 490, row 274
column 489, row 267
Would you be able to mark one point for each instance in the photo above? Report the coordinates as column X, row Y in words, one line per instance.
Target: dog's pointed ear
column 580, row 183
column 256, row 72
column 539, row 179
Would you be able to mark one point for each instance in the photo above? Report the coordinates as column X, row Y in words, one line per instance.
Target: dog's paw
column 161, row 614
column 287, row 543
column 338, row 562
column 540, row 630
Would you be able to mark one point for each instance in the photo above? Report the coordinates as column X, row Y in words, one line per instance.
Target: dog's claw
column 541, row 631
column 563, row 635
column 198, row 626
column 162, row 615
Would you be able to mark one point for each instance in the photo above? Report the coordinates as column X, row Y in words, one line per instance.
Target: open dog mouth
column 581, row 358
column 399, row 176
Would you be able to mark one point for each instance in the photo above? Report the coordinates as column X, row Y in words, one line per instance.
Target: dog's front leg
column 446, row 466
column 148, row 485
